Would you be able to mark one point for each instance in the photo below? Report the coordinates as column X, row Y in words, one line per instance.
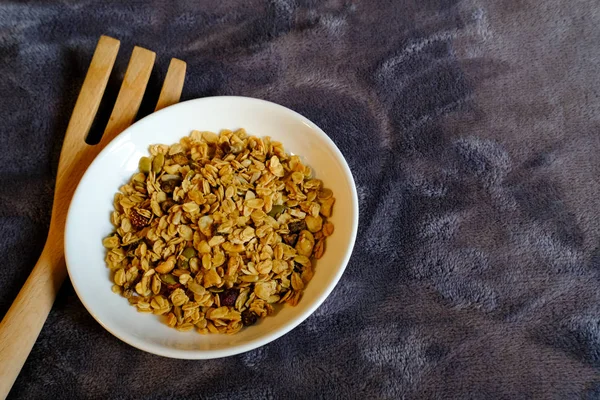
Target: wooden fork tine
column 131, row 93
column 92, row 90
column 173, row 84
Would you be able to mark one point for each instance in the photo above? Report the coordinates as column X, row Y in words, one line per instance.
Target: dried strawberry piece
column 137, row 220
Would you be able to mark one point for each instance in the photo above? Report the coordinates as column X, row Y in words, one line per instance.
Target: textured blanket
column 472, row 128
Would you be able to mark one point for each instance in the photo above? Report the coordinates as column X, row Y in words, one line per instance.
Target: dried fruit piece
column 291, row 239
column 137, row 220
column 249, row 318
column 228, row 297
column 169, row 186
column 166, row 205
column 297, row 226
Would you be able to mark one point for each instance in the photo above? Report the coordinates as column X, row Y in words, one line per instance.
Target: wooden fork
column 22, row 324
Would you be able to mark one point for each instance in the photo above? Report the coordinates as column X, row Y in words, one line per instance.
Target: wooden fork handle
column 24, row 320
column 22, row 324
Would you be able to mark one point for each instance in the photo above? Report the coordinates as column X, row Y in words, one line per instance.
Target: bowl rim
column 261, row 340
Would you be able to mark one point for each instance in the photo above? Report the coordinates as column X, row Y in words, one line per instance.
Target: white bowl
column 88, row 222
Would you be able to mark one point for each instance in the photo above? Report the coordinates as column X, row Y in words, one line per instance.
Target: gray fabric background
column 472, row 128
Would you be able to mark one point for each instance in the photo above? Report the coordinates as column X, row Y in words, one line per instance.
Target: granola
column 215, row 230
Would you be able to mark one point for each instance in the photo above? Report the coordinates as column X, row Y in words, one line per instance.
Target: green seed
column 183, row 264
column 276, row 209
column 189, row 252
column 145, row 164
column 168, row 279
column 158, row 162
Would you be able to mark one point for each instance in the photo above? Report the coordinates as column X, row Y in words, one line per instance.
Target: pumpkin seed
column 276, row 210
column 183, row 264
column 144, row 164
column 168, row 279
column 189, row 252
column 158, row 162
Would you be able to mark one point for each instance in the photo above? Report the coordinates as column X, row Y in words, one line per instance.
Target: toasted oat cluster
column 216, row 229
